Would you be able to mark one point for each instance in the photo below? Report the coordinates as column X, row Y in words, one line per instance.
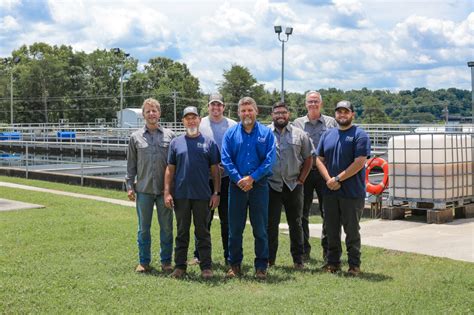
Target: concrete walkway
column 453, row 240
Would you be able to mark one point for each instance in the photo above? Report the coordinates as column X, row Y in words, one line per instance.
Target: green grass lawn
column 78, row 256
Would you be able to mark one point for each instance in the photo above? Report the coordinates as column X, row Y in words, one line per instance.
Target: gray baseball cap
column 216, row 97
column 344, row 104
column 190, row 110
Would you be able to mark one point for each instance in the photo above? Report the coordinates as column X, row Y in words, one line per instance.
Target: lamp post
column 119, row 52
column 288, row 32
column 470, row 64
column 13, row 62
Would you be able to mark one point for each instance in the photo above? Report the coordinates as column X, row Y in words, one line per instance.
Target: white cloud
column 8, row 24
column 8, row 5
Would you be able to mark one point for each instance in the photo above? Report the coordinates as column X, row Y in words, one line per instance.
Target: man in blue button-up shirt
column 248, row 154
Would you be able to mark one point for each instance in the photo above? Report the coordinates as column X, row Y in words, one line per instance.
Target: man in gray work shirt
column 146, row 161
column 292, row 165
column 315, row 124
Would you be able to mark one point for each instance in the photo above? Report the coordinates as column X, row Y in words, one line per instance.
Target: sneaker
column 298, row 266
column 207, row 274
column 178, row 273
column 261, row 274
column 194, row 261
column 331, row 268
column 233, row 272
column 166, row 268
column 142, row 268
column 354, row 271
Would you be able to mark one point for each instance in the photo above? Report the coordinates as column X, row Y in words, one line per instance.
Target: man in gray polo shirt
column 292, row 165
column 146, row 162
column 315, row 124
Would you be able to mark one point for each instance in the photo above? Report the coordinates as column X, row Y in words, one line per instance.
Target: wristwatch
column 336, row 178
column 217, row 193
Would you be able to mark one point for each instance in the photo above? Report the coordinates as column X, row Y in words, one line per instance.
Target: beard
column 280, row 124
column 247, row 121
column 192, row 131
column 344, row 122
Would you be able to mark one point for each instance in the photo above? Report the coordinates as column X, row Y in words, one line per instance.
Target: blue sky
column 346, row 44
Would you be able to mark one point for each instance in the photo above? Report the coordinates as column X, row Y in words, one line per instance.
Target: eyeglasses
column 313, row 102
column 280, row 113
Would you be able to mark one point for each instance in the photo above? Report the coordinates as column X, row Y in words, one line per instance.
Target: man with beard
column 292, row 165
column 248, row 153
column 187, row 190
column 341, row 157
column 214, row 126
column 315, row 124
column 146, row 161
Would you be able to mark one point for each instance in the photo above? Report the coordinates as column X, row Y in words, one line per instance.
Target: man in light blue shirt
column 248, row 154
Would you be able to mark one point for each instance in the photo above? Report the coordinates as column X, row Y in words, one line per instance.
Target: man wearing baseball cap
column 341, row 157
column 187, row 190
column 214, row 126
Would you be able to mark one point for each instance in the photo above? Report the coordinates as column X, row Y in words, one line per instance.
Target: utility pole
column 174, row 105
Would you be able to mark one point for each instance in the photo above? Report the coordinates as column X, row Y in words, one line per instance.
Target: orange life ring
column 376, row 189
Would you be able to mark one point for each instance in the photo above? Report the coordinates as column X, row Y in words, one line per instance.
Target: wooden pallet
column 437, row 216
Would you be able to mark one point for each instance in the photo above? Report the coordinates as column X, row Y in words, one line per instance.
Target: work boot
column 233, row 272
column 331, row 268
column 261, row 274
column 143, row 268
column 354, row 271
column 178, row 273
column 207, row 274
column 298, row 266
column 166, row 268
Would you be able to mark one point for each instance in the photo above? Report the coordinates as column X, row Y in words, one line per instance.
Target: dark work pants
column 199, row 210
column 293, row 204
column 223, row 214
column 314, row 181
column 346, row 212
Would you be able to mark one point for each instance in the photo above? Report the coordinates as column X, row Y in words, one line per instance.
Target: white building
column 132, row 118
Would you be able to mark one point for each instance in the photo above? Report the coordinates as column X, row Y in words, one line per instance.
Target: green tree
column 373, row 111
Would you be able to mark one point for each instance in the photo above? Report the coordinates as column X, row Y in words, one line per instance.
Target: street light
column 288, row 32
column 13, row 62
column 470, row 64
column 118, row 51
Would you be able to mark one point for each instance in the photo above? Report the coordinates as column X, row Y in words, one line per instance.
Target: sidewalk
column 453, row 240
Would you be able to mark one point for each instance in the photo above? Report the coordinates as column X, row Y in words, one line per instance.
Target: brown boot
column 261, row 274
column 298, row 266
column 178, row 273
column 207, row 274
column 331, row 268
column 233, row 272
column 354, row 271
column 166, row 268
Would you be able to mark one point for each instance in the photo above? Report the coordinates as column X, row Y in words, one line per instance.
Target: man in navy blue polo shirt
column 187, row 189
column 341, row 156
column 248, row 153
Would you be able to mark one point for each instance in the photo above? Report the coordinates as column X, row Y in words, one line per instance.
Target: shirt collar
column 145, row 129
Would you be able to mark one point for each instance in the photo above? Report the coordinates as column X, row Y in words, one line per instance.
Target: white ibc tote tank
column 431, row 167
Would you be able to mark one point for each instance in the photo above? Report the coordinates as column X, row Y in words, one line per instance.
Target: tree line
column 51, row 83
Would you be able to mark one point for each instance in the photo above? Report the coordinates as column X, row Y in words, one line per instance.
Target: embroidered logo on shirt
column 202, row 145
column 261, row 140
column 349, row 139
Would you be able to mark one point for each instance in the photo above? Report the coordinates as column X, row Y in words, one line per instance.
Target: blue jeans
column 145, row 203
column 256, row 200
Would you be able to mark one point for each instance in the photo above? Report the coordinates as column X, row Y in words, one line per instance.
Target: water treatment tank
column 431, row 167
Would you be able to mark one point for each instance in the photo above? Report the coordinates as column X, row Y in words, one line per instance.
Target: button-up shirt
column 293, row 147
column 146, row 159
column 315, row 129
column 246, row 154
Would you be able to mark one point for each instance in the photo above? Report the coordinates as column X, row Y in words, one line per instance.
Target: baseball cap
column 344, row 104
column 190, row 110
column 216, row 97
